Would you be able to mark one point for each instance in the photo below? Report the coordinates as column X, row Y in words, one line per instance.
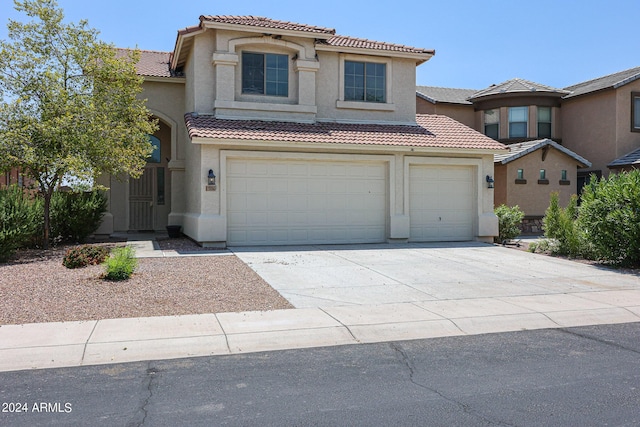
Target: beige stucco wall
column 532, row 197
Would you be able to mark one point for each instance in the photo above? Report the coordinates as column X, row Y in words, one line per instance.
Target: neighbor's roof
column 151, row 63
column 431, row 131
column 611, row 81
column 521, row 149
column 517, row 86
column 449, row 95
column 631, row 159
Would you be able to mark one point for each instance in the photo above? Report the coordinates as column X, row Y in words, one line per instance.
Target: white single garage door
column 441, row 203
column 284, row 202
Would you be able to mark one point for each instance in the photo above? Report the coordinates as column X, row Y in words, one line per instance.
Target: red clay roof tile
column 344, row 41
column 261, row 22
column 431, row 131
column 151, row 63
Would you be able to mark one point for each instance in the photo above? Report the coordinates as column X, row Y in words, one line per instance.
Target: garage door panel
column 441, row 203
column 305, row 202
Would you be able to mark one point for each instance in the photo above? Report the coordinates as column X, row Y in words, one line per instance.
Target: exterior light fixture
column 490, row 182
column 211, row 181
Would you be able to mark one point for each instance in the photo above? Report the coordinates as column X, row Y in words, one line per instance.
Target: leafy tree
column 69, row 103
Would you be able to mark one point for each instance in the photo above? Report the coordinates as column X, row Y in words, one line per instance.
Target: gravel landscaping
column 35, row 287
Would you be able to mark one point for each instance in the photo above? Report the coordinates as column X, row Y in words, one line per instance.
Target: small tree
column 560, row 225
column 68, row 103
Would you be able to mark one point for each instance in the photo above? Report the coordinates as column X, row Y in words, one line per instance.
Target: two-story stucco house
column 276, row 133
column 557, row 138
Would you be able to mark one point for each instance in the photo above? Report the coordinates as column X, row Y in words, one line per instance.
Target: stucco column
column 306, row 70
column 225, row 65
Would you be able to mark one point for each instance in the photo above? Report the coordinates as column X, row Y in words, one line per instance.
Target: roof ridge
column 446, row 87
column 263, row 19
column 603, row 77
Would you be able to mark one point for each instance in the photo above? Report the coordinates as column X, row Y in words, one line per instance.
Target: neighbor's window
column 365, row 81
column 520, row 174
column 492, row 123
column 518, row 121
column 635, row 111
column 155, row 154
column 265, row 74
column 544, row 122
column 564, row 175
column 543, row 174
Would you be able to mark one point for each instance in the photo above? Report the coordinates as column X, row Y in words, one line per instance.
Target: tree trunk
column 47, row 223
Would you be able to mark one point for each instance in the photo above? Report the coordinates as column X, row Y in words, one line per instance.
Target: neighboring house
column 273, row 132
column 529, row 172
column 601, row 120
column 446, row 101
column 598, row 120
column 13, row 176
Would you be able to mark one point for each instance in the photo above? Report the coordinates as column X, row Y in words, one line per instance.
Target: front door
column 141, row 201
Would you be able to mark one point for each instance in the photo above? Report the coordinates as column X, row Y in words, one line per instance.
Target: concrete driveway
column 348, row 275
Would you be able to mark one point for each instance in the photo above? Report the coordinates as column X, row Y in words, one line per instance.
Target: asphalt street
column 586, row 376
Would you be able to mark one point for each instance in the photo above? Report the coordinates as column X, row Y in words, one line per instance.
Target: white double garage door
column 308, row 201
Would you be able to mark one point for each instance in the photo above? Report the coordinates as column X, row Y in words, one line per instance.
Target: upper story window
column 635, row 111
column 518, row 122
column 492, row 123
column 365, row 81
column 544, row 122
column 265, row 74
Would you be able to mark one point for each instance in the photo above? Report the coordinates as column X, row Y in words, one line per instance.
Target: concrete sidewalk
column 48, row 345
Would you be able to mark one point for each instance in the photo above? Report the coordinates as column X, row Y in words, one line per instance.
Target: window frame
column 635, row 111
column 497, row 123
column 387, row 106
column 265, row 73
column 513, row 122
column 368, row 67
column 549, row 123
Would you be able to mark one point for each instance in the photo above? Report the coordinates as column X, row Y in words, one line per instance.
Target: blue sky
column 477, row 43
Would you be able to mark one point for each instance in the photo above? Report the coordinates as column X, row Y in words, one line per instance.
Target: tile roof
column 631, row 159
column 151, row 63
column 261, row 22
column 611, row 81
column 523, row 148
column 353, row 42
column 517, row 86
column 431, row 131
column 449, row 95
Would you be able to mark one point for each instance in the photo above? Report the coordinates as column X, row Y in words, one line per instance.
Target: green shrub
column 560, row 224
column 121, row 264
column 82, row 256
column 20, row 217
column 75, row 215
column 509, row 219
column 610, row 218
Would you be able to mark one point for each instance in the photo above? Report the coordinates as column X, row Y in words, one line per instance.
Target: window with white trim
column 365, row 81
column 265, row 74
column 518, row 122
